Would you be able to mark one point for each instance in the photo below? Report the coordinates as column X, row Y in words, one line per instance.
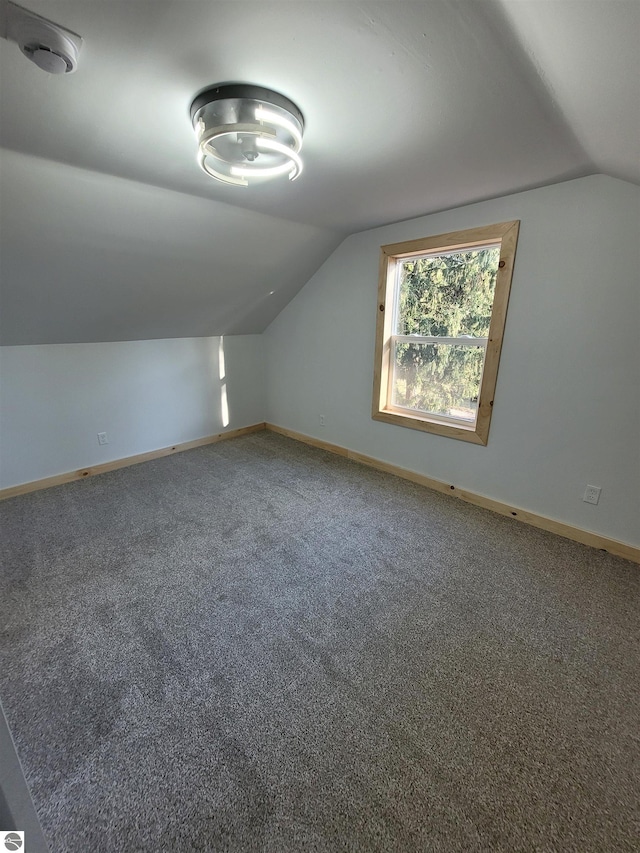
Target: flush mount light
column 246, row 133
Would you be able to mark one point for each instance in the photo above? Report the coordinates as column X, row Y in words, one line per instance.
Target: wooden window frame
column 502, row 234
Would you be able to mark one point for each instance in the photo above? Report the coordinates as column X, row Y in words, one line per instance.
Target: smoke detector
column 51, row 47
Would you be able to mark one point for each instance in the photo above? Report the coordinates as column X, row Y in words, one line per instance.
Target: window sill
column 475, row 433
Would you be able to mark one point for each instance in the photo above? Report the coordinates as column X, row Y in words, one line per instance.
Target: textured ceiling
column 409, row 107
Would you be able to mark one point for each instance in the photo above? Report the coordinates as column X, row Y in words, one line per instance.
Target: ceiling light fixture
column 247, row 132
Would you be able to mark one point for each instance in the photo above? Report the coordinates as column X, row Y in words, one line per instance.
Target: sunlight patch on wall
column 221, row 365
column 224, row 406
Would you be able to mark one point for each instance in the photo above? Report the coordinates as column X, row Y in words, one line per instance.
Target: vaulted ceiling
column 112, row 232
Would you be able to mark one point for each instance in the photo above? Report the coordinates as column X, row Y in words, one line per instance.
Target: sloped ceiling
column 111, row 232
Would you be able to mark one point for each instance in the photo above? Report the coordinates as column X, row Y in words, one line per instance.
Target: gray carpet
column 259, row 646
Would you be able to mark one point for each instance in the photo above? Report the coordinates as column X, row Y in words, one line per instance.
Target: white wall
column 145, row 395
column 567, row 402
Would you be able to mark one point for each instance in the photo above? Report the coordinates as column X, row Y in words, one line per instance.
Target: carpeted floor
column 259, row 646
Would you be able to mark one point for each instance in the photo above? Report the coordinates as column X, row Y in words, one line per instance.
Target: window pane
column 449, row 294
column 438, row 379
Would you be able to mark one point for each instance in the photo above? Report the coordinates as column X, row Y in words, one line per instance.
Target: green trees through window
column 442, row 307
column 450, row 296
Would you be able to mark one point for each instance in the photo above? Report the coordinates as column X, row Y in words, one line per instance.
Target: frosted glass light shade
column 247, row 134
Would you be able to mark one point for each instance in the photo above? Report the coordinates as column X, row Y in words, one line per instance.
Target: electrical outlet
column 591, row 494
column 102, row 438
column 322, row 420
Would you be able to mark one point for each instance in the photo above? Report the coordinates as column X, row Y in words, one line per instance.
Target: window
column 442, row 305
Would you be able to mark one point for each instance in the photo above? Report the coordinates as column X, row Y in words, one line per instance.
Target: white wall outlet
column 591, row 494
column 323, row 420
column 102, row 438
